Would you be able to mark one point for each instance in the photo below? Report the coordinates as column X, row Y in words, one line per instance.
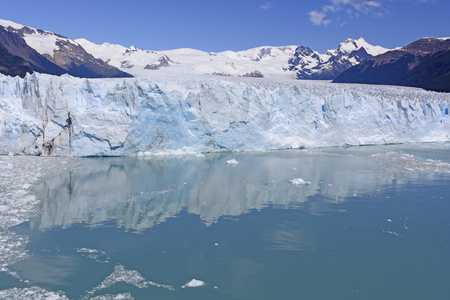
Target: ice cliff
column 50, row 115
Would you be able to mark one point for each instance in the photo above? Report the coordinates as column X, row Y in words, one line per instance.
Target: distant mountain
column 27, row 49
column 266, row 60
column 309, row 64
column 424, row 63
column 287, row 61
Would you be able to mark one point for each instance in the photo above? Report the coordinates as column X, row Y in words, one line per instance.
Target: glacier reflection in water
column 372, row 224
column 139, row 193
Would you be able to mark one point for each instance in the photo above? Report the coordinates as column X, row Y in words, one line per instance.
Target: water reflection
column 138, row 193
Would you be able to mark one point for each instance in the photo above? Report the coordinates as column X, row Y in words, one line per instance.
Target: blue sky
column 213, row 25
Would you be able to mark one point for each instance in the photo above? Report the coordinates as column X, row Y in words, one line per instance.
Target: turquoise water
column 373, row 223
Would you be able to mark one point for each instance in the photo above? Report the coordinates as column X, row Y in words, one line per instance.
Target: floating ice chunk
column 232, row 162
column 193, row 283
column 299, row 181
column 199, row 155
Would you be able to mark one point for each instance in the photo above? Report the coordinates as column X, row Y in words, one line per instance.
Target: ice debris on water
column 121, row 296
column 97, row 255
column 232, row 162
column 299, row 181
column 133, row 277
column 407, row 163
column 194, row 283
column 392, row 232
column 17, row 200
column 34, row 292
column 12, row 248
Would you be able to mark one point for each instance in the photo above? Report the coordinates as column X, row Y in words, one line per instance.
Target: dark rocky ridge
column 18, row 58
column 424, row 63
column 15, row 46
column 12, row 65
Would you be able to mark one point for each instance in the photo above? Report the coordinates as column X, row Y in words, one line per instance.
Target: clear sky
column 219, row 25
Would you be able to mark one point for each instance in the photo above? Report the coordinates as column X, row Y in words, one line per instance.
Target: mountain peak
column 6, row 24
column 351, row 45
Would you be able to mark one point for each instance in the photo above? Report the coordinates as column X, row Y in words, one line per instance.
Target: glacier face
column 49, row 115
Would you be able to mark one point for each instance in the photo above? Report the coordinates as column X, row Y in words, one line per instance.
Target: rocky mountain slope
column 27, row 49
column 424, row 63
column 308, row 64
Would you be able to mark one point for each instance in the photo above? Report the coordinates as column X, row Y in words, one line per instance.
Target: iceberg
column 232, row 162
column 299, row 181
column 194, row 283
column 66, row 116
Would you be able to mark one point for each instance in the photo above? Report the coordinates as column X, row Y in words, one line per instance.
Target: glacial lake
column 368, row 223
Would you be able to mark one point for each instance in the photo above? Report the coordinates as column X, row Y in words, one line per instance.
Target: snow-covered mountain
column 47, row 52
column 52, row 53
column 424, row 63
column 309, row 64
column 267, row 60
column 289, row 61
column 62, row 115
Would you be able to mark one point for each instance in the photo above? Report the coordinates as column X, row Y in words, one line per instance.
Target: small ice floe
column 199, row 155
column 299, row 181
column 392, row 232
column 194, row 283
column 232, row 162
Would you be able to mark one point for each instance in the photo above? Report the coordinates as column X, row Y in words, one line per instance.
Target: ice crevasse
column 50, row 115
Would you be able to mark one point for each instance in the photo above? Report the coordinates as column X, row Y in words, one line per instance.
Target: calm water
column 374, row 223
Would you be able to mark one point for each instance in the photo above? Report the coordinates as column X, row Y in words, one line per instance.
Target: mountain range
column 424, row 63
column 25, row 49
column 288, row 61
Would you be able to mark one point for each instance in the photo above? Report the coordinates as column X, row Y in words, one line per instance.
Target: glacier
column 67, row 116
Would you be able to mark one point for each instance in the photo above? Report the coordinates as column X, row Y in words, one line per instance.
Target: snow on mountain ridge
column 267, row 59
column 273, row 62
column 309, row 64
column 43, row 41
column 7, row 23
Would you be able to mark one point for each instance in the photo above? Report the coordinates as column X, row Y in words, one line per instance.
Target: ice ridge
column 66, row 116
